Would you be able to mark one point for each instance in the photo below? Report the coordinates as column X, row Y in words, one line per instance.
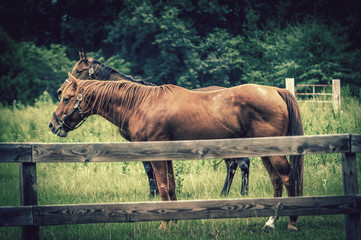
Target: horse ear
column 82, row 54
column 72, row 79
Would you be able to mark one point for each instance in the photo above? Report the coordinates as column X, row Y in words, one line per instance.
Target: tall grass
column 74, row 183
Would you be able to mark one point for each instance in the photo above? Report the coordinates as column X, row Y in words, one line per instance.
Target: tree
column 18, row 80
column 310, row 51
column 167, row 43
column 29, row 70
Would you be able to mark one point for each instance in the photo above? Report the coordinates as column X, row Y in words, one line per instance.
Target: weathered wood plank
column 28, row 184
column 196, row 149
column 28, row 195
column 14, row 152
column 356, row 143
column 336, row 94
column 181, row 210
column 350, row 187
column 290, row 85
column 16, row 216
column 349, row 173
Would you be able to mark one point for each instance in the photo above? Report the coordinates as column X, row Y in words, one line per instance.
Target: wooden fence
column 31, row 216
column 336, row 91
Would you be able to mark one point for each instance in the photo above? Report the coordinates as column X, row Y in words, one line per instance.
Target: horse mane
column 104, row 72
column 102, row 95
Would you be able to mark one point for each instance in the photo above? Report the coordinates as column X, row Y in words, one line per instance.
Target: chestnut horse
column 89, row 68
column 168, row 112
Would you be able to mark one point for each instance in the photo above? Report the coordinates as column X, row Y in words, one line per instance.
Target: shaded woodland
column 188, row 43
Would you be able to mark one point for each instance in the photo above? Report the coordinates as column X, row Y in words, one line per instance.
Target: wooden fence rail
column 31, row 216
column 176, row 150
column 179, row 210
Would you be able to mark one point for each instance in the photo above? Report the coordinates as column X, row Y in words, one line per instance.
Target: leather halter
column 76, row 107
column 91, row 71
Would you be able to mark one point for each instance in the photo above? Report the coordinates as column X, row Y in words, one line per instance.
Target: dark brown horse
column 168, row 112
column 89, row 68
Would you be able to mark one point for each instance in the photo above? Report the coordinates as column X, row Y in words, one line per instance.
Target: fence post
column 290, row 85
column 350, row 187
column 28, row 195
column 336, row 94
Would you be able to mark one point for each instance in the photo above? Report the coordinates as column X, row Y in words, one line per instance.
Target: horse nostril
column 51, row 126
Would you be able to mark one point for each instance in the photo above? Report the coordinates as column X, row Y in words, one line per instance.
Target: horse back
column 242, row 111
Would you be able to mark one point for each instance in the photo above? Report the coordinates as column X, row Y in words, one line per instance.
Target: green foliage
column 18, row 79
column 51, row 64
column 166, row 45
column 30, row 70
column 118, row 63
column 188, row 43
column 309, row 51
column 216, row 60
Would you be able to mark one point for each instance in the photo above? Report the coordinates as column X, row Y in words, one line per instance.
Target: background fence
column 31, row 216
column 336, row 91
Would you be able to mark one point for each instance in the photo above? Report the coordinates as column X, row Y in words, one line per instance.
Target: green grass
column 75, row 183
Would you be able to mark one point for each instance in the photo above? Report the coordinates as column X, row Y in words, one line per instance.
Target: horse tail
column 294, row 128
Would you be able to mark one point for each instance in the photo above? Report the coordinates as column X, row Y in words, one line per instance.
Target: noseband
column 76, row 108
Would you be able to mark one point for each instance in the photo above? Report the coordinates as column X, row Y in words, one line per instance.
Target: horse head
column 68, row 116
column 83, row 69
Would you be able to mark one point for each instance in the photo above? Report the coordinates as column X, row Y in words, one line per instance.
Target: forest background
column 185, row 42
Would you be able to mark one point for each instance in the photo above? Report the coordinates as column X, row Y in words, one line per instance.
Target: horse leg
column 277, row 188
column 244, row 166
column 284, row 171
column 225, row 187
column 172, row 187
column 245, row 183
column 161, row 173
column 151, row 178
column 231, row 170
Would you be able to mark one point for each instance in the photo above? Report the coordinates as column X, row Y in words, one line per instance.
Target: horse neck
column 117, row 100
column 115, row 76
column 108, row 73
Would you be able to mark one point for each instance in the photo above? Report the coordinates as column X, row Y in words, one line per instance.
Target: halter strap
column 91, row 70
column 75, row 108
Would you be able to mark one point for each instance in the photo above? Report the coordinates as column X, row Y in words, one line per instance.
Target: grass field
column 74, row 183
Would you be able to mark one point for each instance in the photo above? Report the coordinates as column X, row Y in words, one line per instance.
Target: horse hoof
column 292, row 228
column 270, row 223
column 268, row 227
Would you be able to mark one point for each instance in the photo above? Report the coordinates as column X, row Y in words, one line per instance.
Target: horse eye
column 79, row 71
column 58, row 93
column 66, row 100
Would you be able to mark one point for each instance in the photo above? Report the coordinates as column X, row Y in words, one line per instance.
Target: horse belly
column 204, row 126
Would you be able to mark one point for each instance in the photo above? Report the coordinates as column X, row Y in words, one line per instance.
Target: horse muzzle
column 57, row 129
